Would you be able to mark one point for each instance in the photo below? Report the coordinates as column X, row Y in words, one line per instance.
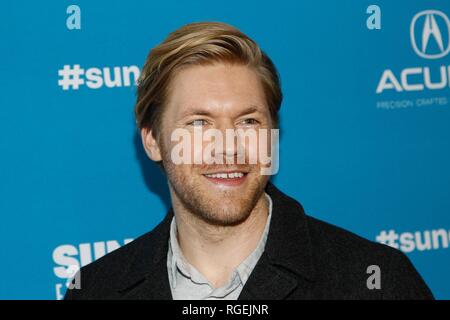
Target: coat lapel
column 147, row 276
column 287, row 262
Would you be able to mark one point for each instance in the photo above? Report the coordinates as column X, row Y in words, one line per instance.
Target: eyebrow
column 203, row 112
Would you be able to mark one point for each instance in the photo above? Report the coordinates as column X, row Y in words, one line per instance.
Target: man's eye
column 249, row 121
column 197, row 122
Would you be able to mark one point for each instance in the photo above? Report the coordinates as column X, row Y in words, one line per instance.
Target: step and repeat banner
column 365, row 125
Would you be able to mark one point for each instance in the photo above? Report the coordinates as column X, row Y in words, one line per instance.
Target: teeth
column 230, row 175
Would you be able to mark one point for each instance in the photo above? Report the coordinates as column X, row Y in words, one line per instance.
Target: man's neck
column 216, row 251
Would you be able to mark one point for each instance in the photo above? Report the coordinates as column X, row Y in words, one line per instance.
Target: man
column 231, row 234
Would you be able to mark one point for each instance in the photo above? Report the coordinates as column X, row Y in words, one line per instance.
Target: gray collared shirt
column 187, row 283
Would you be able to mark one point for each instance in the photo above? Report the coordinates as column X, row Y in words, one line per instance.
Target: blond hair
column 200, row 43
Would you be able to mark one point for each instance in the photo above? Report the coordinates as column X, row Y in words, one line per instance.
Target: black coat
column 304, row 258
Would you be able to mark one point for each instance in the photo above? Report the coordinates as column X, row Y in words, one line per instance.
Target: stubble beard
column 215, row 206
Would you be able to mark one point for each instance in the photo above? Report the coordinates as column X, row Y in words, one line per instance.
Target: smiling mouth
column 232, row 178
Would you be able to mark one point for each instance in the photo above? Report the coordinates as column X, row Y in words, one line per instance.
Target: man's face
column 219, row 96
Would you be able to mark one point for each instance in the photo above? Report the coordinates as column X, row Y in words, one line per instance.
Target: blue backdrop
column 364, row 142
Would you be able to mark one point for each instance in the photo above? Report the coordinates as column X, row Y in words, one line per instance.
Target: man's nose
column 227, row 129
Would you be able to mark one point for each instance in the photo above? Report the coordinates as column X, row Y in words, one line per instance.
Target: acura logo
column 430, row 34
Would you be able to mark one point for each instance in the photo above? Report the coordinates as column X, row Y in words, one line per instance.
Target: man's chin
column 222, row 219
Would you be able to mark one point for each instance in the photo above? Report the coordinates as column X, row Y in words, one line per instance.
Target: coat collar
column 285, row 264
column 146, row 276
column 289, row 243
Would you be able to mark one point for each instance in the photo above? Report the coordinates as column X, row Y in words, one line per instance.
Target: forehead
column 216, row 87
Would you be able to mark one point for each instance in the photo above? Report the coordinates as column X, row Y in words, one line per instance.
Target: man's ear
column 150, row 145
